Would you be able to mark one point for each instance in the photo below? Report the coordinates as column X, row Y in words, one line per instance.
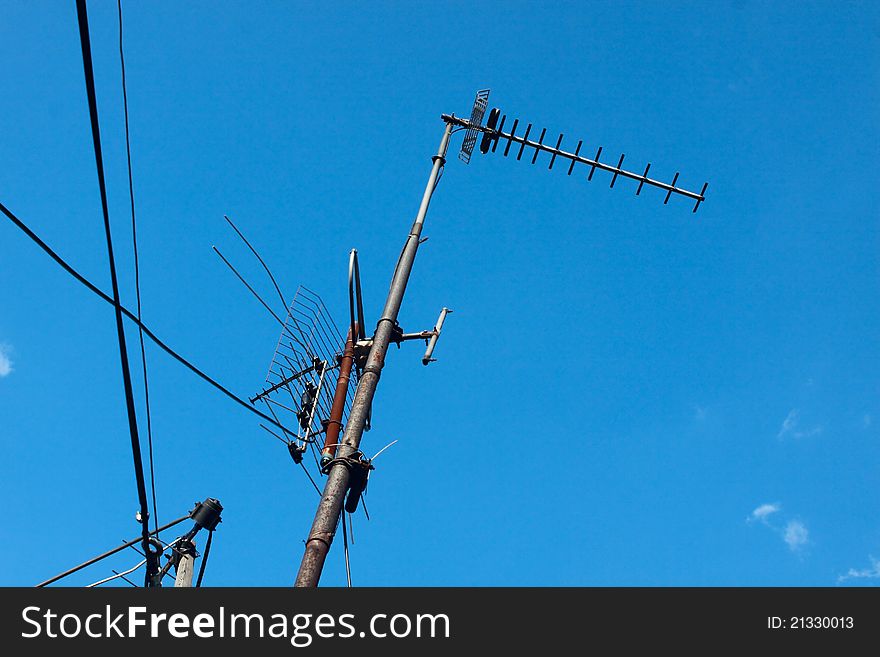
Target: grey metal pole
column 330, row 506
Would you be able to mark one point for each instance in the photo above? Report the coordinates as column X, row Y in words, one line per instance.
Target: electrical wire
column 117, row 575
column 137, row 276
column 345, row 547
column 286, row 442
column 116, row 572
column 306, row 470
column 152, row 336
column 83, row 20
column 205, row 559
column 382, row 450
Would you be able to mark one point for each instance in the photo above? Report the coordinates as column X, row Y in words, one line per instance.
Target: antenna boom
column 495, row 134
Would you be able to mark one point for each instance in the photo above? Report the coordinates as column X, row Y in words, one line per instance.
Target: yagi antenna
column 493, row 133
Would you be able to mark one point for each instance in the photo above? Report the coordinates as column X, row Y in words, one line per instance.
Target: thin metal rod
column 110, row 552
column 262, row 262
column 435, row 335
column 282, row 383
column 327, row 515
column 247, row 285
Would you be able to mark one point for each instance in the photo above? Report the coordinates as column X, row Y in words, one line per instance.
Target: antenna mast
column 347, row 469
column 349, row 460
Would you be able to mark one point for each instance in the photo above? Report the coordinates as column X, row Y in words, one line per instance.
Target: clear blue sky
column 626, row 394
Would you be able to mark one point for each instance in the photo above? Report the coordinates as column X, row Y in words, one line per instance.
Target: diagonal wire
column 83, row 20
column 286, row 442
column 117, row 575
column 345, row 546
column 306, row 470
column 265, row 266
column 152, row 336
column 124, row 577
column 205, row 559
column 137, row 277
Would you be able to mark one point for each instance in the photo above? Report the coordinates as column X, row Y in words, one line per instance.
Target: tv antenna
column 493, row 133
column 311, row 379
column 347, row 469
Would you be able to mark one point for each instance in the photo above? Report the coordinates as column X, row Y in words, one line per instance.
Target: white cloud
column 764, row 511
column 5, row 360
column 791, row 424
column 793, row 532
column 796, row 535
column 865, row 573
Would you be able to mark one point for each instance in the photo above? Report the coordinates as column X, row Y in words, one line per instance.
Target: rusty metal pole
column 334, row 425
column 333, row 497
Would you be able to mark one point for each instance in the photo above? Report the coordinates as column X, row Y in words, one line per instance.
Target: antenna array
column 303, row 371
column 493, row 133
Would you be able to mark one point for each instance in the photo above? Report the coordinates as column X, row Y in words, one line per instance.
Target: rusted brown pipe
column 334, row 424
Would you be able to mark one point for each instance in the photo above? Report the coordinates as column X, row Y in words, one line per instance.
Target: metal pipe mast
column 339, row 469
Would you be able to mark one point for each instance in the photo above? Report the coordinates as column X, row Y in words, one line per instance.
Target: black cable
column 137, row 277
column 205, row 559
column 152, row 336
column 306, row 470
column 265, row 266
column 152, row 559
column 345, row 549
column 128, row 544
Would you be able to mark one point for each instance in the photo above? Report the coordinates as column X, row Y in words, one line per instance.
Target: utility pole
column 349, row 456
column 185, row 565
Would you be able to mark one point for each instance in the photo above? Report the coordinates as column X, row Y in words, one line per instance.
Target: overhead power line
column 152, row 558
column 137, row 276
column 152, row 336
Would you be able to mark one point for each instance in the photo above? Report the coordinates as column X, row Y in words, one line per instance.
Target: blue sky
column 626, row 393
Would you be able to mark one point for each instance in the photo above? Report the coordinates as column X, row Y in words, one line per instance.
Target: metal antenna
column 355, row 299
column 346, row 467
column 262, row 262
column 493, row 132
column 304, row 375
